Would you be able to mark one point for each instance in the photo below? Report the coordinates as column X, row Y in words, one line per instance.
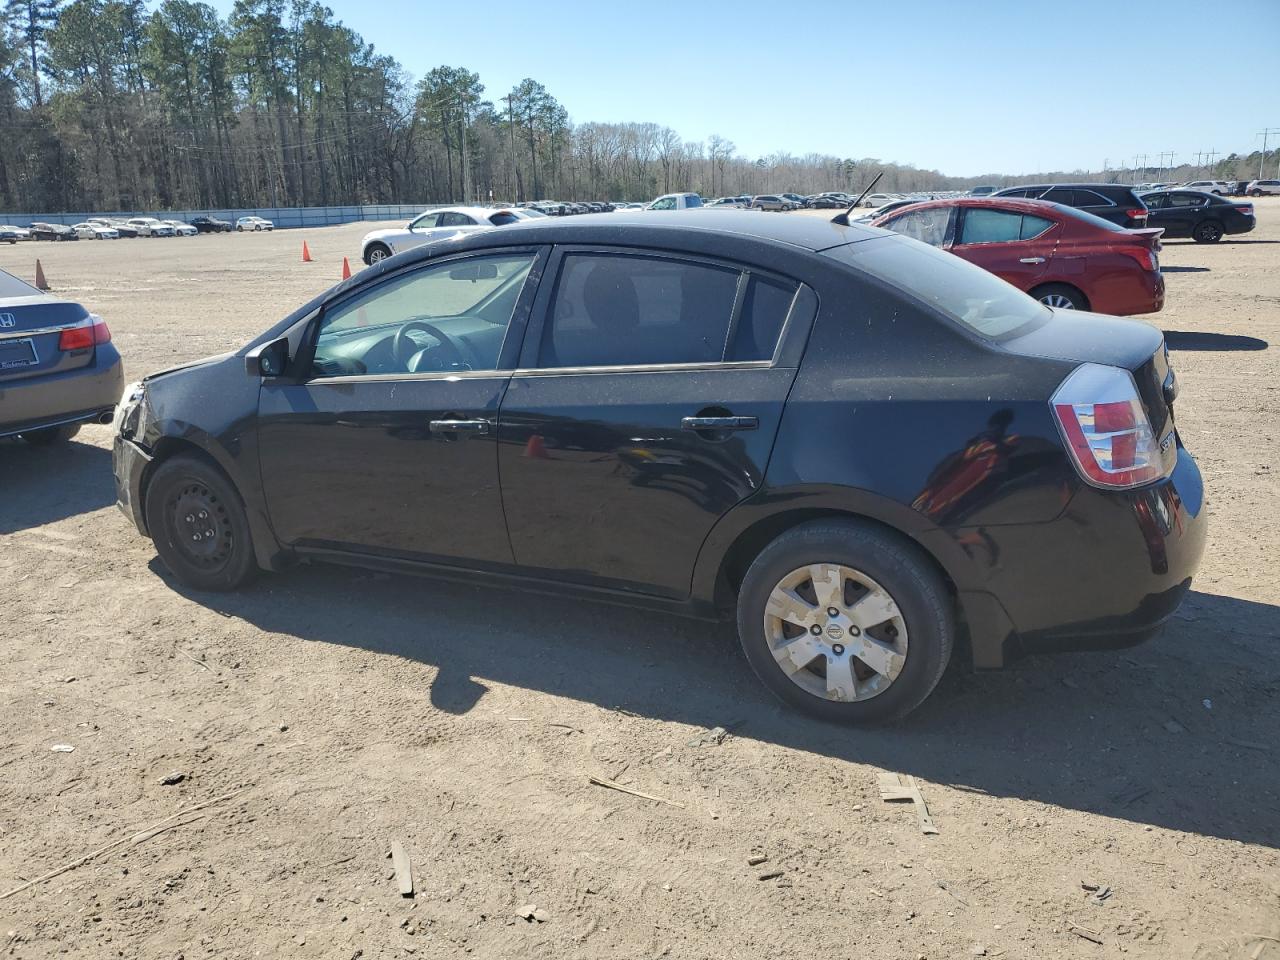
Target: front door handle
column 1032, row 260
column 719, row 424
column 459, row 426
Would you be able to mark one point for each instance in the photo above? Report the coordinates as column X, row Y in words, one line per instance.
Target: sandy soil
column 347, row 710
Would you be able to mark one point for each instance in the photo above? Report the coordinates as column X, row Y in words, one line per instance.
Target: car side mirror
column 268, row 360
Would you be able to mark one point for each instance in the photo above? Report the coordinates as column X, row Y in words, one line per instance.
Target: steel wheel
column 835, row 632
column 199, row 526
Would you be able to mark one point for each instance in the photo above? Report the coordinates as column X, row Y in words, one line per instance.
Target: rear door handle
column 720, row 423
column 459, row 426
column 1032, row 260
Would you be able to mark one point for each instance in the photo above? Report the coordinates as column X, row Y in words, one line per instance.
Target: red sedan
column 1062, row 256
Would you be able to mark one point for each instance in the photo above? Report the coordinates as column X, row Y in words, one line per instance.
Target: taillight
column 81, row 338
column 1144, row 255
column 1136, row 213
column 1246, row 209
column 1100, row 415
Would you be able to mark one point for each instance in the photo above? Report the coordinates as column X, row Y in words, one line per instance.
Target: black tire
column 381, row 249
column 51, row 435
column 1208, row 232
column 904, row 572
column 187, row 497
column 1255, row 193
column 1062, row 296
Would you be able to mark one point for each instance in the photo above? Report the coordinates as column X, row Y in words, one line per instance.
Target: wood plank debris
column 893, row 790
column 403, row 868
column 611, row 785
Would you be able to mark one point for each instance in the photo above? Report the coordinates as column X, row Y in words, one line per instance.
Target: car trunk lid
column 31, row 327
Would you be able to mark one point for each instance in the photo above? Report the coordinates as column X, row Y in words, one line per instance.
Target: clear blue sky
column 966, row 88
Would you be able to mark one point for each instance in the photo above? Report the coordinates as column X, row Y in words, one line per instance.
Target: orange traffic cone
column 306, row 254
column 41, row 282
column 346, row 269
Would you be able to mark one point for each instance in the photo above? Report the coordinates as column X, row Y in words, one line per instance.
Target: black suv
column 1110, row 201
column 211, row 225
column 868, row 452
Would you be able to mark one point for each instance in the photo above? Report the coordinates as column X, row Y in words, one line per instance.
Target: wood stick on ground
column 635, row 793
column 134, row 838
column 199, row 663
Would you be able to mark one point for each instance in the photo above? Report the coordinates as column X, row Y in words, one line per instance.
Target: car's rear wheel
column 1062, row 296
column 49, row 436
column 1207, row 232
column 845, row 621
column 198, row 525
column 376, row 253
column 1255, row 193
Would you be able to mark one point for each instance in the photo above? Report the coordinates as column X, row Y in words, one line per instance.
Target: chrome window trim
column 407, row 377
column 644, row 368
column 45, row 330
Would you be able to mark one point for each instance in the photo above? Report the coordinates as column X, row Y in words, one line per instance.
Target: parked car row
column 562, row 208
column 108, row 228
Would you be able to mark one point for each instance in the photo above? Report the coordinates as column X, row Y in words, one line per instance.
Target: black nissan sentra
column 58, row 367
column 871, row 453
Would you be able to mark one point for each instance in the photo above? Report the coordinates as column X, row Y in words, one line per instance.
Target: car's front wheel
column 846, row 621
column 49, row 436
column 1061, row 296
column 198, row 524
column 1255, row 193
column 1207, row 232
column 376, row 253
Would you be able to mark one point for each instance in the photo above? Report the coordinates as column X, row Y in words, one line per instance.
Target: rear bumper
column 1107, row 573
column 75, row 396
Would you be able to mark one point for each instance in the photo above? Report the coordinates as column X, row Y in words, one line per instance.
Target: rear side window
column 967, row 294
column 928, row 226
column 1187, row 200
column 614, row 310
column 1091, row 198
column 456, row 220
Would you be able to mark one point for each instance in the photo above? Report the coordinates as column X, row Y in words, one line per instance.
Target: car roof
column 656, row 228
column 1022, row 204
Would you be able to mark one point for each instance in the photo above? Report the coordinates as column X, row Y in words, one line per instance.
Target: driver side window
column 427, row 221
column 443, row 317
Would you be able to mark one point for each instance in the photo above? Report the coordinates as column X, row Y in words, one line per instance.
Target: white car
column 21, row 232
column 1220, row 187
column 150, row 227
column 1258, row 188
column 95, row 231
column 676, row 201
column 254, row 223
column 434, row 225
column 880, row 199
column 182, row 229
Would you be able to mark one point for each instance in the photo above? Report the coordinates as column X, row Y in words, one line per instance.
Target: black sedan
column 861, row 448
column 1204, row 217
column 58, row 368
column 52, row 231
column 211, row 225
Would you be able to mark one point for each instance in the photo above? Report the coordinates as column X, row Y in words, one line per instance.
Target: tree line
column 105, row 105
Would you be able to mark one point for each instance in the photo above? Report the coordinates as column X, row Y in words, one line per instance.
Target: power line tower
column 1269, row 131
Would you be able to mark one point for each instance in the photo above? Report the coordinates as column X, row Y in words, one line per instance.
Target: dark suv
column 1110, row 201
column 868, row 452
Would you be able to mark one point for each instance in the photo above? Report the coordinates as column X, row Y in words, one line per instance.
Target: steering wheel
column 400, row 346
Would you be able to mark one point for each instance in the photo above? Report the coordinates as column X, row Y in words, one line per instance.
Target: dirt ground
column 329, row 712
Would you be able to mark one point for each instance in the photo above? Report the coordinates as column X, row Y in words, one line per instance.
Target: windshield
column 967, row 294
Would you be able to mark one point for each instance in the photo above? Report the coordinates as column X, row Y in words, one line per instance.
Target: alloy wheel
column 377, row 255
column 1061, row 301
column 835, row 632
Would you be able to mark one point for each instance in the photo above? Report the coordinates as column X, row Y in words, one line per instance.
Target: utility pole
column 1262, row 159
column 465, row 194
column 511, row 125
column 1208, row 169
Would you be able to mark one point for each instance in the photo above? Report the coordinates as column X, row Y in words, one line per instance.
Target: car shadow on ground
column 1192, row 340
column 1122, row 734
column 40, row 485
column 1184, row 270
